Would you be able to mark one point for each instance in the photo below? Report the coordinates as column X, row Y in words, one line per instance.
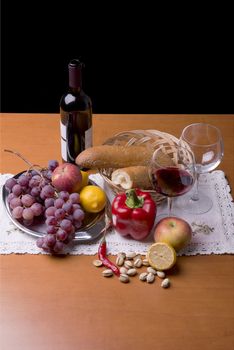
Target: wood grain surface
column 58, row 303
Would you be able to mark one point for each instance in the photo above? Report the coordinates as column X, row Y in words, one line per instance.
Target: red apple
column 67, row 177
column 174, row 231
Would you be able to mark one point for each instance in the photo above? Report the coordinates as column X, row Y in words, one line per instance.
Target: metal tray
column 93, row 227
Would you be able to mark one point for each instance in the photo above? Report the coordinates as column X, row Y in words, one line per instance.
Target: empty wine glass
column 206, row 143
column 172, row 172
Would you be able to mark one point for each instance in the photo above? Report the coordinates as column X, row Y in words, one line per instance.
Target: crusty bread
column 162, row 159
column 132, row 177
column 113, row 156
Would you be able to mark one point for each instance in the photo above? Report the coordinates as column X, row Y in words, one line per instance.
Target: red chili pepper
column 133, row 213
column 106, row 262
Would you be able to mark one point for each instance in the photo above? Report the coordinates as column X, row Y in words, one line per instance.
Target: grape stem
column 19, row 155
column 32, row 166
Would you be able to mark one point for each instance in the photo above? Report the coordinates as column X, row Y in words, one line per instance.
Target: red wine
column 76, row 116
column 172, row 181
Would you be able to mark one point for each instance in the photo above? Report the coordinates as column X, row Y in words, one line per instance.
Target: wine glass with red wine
column 172, row 172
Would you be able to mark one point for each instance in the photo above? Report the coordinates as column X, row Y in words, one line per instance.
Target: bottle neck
column 74, row 90
column 75, row 75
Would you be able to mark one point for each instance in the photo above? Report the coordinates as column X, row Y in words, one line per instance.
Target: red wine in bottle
column 76, row 116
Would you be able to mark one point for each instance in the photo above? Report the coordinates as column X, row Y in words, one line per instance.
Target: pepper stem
column 133, row 201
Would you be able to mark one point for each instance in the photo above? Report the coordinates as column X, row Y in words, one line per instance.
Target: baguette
column 113, row 156
column 132, row 177
column 138, row 176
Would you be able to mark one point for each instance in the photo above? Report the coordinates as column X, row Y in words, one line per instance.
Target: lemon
column 85, row 178
column 84, row 181
column 161, row 256
column 93, row 199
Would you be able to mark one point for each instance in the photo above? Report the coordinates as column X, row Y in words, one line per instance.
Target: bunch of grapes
column 32, row 197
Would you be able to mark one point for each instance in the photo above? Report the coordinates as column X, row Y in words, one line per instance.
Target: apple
column 174, row 231
column 67, row 177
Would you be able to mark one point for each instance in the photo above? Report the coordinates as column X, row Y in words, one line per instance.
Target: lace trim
column 213, row 233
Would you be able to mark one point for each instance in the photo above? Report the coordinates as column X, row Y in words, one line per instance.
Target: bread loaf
column 113, row 156
column 132, row 177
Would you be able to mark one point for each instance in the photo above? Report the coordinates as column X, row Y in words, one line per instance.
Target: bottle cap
column 75, row 77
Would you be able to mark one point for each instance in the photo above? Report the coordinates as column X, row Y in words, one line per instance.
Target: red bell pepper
column 133, row 213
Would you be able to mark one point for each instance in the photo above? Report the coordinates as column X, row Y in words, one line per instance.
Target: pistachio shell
column 97, row 263
column 143, row 276
column 165, row 283
column 107, row 273
column 132, row 272
column 151, row 270
column 128, row 264
column 130, row 255
column 123, row 270
column 137, row 262
column 120, row 260
column 161, row 274
column 150, row 278
column 124, row 278
column 145, row 262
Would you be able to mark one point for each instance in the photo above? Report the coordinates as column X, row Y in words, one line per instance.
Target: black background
column 139, row 59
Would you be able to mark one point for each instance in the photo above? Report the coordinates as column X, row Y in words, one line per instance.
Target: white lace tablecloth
column 213, row 232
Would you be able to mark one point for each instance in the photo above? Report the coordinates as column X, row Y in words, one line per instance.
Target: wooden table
column 64, row 303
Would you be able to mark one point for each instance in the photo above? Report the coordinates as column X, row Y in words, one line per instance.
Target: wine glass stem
column 195, row 196
column 169, row 204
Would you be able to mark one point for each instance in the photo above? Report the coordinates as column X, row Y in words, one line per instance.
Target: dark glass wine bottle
column 76, row 116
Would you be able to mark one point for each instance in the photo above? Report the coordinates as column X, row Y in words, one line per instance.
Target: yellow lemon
column 93, row 199
column 84, row 181
column 161, row 256
column 85, row 178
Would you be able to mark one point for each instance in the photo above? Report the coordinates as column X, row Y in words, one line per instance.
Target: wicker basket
column 150, row 138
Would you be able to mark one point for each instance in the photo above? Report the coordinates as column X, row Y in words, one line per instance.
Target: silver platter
column 92, row 229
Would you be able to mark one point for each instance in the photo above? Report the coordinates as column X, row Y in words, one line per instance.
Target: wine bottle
column 76, row 115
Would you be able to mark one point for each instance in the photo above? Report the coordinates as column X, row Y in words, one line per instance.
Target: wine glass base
column 196, row 207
